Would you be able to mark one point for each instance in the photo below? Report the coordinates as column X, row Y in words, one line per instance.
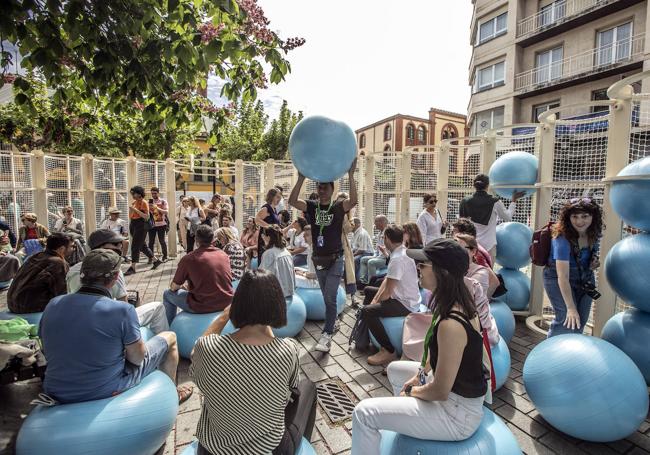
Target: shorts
column 156, row 349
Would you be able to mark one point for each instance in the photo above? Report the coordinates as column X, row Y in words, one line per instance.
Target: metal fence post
column 489, row 145
column 88, row 186
column 37, row 163
column 131, row 175
column 239, row 195
column 170, row 180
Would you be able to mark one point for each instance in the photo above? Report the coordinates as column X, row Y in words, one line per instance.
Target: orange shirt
column 140, row 205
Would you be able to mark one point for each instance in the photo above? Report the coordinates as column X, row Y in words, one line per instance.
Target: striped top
column 246, row 389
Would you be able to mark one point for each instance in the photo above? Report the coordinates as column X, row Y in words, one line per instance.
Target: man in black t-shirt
column 326, row 218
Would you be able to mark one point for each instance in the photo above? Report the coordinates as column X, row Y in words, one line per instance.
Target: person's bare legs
column 169, row 365
column 125, row 247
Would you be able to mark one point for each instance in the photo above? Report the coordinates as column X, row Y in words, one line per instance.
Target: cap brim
column 417, row 254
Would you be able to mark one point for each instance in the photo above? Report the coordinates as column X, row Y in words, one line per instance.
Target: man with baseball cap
column 151, row 314
column 483, row 209
column 93, row 342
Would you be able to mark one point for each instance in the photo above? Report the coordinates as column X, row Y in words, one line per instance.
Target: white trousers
column 153, row 315
column 452, row 420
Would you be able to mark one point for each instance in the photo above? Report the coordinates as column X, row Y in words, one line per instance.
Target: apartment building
column 532, row 55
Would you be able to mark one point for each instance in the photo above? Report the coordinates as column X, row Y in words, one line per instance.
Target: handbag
column 359, row 335
column 443, row 228
column 324, row 262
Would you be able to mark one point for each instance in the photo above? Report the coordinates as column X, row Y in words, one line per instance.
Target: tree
column 276, row 139
column 242, row 136
column 142, row 58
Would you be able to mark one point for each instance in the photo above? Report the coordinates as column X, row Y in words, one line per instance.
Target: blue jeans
column 299, row 260
column 369, row 267
column 581, row 300
column 329, row 280
column 357, row 263
column 155, row 353
column 173, row 301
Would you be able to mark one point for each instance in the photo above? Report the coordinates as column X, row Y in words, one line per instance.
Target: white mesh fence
column 111, row 188
column 424, row 179
column 253, row 192
column 64, row 187
column 16, row 187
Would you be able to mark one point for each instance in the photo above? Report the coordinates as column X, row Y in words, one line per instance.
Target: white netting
column 64, row 187
column 16, row 191
column 111, row 188
column 424, row 179
column 150, row 174
column 253, row 192
column 385, row 190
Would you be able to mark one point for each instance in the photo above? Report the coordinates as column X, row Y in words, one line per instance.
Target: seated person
column 93, row 343
column 369, row 265
column 151, row 314
column 203, row 279
column 447, row 403
column 465, row 226
column 361, row 244
column 30, row 230
column 297, row 245
column 249, row 239
column 277, row 259
column 225, row 239
column 226, row 221
column 398, row 295
column 248, row 377
column 72, row 226
column 42, row 277
column 306, row 276
column 118, row 225
column 9, row 263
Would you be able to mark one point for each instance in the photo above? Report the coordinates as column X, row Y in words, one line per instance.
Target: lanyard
column 318, row 212
column 427, row 340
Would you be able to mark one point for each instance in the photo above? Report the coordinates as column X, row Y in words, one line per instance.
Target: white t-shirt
column 486, row 235
column 73, row 281
column 361, row 241
column 118, row 226
column 430, row 226
column 280, row 263
column 299, row 242
column 402, row 269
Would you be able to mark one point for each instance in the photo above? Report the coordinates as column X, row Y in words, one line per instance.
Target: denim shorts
column 156, row 348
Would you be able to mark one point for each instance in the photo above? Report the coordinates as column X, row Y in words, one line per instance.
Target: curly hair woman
column 569, row 275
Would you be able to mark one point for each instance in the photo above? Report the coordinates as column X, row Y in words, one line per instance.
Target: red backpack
column 540, row 248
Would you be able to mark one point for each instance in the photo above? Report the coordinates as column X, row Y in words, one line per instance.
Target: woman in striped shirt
column 253, row 401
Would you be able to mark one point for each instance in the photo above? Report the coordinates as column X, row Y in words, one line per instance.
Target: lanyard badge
column 320, row 240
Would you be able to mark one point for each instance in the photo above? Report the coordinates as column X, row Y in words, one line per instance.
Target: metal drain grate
column 334, row 401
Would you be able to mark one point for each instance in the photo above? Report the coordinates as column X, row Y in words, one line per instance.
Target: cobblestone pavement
column 357, row 378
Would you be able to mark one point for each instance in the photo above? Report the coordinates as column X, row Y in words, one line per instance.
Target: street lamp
column 213, row 156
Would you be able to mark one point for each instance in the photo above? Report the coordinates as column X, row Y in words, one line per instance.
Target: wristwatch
column 407, row 390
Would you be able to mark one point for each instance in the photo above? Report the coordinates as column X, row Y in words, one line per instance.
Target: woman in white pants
column 444, row 400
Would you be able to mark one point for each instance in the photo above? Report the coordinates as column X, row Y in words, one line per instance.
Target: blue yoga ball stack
column 630, row 198
column 513, row 170
column 630, row 332
column 322, row 149
column 135, row 422
column 296, row 316
column 627, row 268
column 586, row 387
column 518, row 285
column 504, row 318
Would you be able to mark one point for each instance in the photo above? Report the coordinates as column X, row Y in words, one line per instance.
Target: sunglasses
column 432, row 201
column 576, row 200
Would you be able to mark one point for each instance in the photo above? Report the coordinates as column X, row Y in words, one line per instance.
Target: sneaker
column 131, row 271
column 126, row 260
column 324, row 343
column 383, row 357
column 156, row 264
column 150, row 261
column 164, row 259
column 337, row 326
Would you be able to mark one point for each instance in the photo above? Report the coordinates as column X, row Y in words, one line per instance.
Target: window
column 387, row 149
column 410, row 132
column 362, row 141
column 422, row 134
column 449, row 131
column 492, row 28
column 387, row 133
column 490, row 77
column 548, row 65
column 614, row 44
column 540, row 108
column 486, row 120
column 598, row 95
column 552, row 13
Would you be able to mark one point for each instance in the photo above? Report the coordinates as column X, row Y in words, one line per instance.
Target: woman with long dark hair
column 277, row 259
column 444, row 400
column 569, row 276
column 412, row 236
column 266, row 217
column 138, row 228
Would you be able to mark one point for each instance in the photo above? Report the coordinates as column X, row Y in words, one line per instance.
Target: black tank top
column 470, row 381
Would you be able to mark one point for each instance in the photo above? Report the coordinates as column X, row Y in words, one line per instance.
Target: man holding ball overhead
column 326, row 216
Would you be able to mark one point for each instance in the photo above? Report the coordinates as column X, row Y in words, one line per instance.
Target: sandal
column 184, row 393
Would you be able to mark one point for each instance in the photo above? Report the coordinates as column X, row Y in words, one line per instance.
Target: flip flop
column 184, row 393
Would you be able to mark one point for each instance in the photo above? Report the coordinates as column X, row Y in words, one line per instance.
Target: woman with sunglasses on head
column 430, row 221
column 444, row 400
column 569, row 275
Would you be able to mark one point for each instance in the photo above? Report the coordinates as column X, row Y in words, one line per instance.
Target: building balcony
column 563, row 16
column 594, row 63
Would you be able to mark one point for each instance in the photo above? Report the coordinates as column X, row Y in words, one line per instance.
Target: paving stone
column 320, row 448
column 640, row 440
column 596, row 449
column 336, row 438
column 514, row 387
column 336, row 371
column 357, row 390
column 380, row 393
column 372, row 369
column 193, row 403
column 521, row 420
column 515, row 400
column 560, row 444
column 347, row 362
column 179, row 449
column 365, row 380
column 383, row 379
column 520, row 341
column 315, row 435
column 314, row 372
column 186, row 427
column 620, row 446
column 170, row 446
column 529, row 445
column 638, row 451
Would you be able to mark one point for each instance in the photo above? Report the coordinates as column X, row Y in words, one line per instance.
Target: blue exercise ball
column 630, row 331
column 501, row 362
column 135, row 422
column 146, row 334
column 514, row 169
column 315, row 305
column 504, row 318
column 492, row 437
column 586, row 387
column 513, row 242
column 32, row 318
column 518, row 285
column 631, row 198
column 394, row 329
column 322, row 149
column 189, row 327
column 627, row 269
column 296, row 317
column 254, row 263
column 304, row 449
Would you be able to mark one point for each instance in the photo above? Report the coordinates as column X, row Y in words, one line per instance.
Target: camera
column 591, row 290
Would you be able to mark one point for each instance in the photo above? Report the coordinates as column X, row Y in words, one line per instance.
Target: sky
column 365, row 60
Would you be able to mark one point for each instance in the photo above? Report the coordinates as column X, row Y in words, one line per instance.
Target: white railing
column 595, row 60
column 556, row 14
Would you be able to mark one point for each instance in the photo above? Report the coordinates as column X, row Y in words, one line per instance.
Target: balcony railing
column 595, row 60
column 557, row 13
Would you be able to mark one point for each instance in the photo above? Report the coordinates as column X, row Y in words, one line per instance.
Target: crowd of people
column 94, row 347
